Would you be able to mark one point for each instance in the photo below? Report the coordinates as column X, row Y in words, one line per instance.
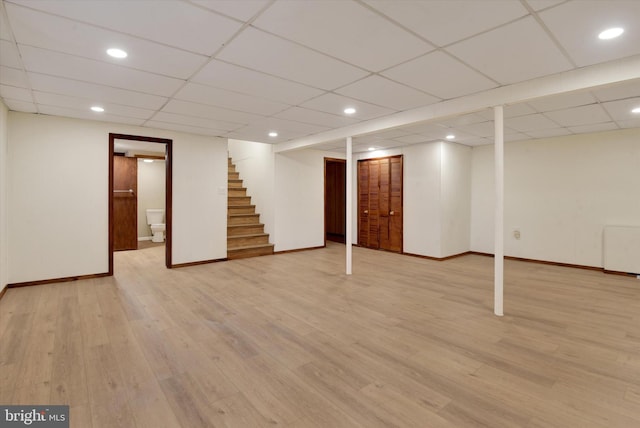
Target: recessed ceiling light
column 371, row 148
column 147, row 160
column 636, row 110
column 349, row 110
column 97, row 109
column 273, row 134
column 611, row 33
column 450, row 137
column 116, row 53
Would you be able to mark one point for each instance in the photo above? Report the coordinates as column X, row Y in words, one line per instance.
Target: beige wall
column 151, row 191
column 559, row 193
column 4, row 165
column 58, row 196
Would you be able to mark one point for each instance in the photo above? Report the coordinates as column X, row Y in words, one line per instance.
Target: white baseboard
column 144, row 238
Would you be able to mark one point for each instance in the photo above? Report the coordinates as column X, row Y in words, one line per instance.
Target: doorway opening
column 380, row 203
column 335, row 213
column 124, row 154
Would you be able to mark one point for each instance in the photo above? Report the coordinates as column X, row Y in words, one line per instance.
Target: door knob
column 366, row 211
column 391, row 212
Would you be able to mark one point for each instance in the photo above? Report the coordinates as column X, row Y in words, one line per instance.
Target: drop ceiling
column 240, row 69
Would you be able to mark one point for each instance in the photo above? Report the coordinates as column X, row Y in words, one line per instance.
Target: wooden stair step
column 237, row 191
column 249, row 251
column 241, row 209
column 238, row 200
column 233, row 176
column 234, row 182
column 242, row 219
column 244, row 229
column 247, row 240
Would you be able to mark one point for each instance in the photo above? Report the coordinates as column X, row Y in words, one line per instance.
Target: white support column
column 498, row 292
column 349, row 202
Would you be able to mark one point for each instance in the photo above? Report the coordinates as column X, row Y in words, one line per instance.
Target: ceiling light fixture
column 147, row 160
column 450, row 137
column 349, row 110
column 636, row 110
column 273, row 134
column 371, row 148
column 97, row 109
column 611, row 33
column 116, row 53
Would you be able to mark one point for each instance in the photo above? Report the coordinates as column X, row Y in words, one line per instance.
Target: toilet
column 155, row 219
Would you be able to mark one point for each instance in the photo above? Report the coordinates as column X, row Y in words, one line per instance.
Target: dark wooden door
column 335, row 173
column 380, row 203
column 125, row 203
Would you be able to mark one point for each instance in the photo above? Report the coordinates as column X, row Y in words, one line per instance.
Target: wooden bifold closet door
column 380, row 203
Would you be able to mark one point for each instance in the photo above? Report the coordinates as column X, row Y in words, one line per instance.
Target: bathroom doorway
column 130, row 155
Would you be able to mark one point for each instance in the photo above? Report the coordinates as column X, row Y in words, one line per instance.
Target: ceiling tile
column 632, row 123
column 216, row 125
column 469, row 119
column 335, row 104
column 620, row 91
column 59, row 85
column 242, row 10
column 543, row 4
column 304, row 115
column 44, row 98
column 381, row 91
column 515, row 137
column 576, row 116
column 19, row 105
column 174, row 23
column 259, row 133
column 270, row 54
column 531, row 122
column 234, row 78
column 478, row 141
column 588, row 19
column 444, row 21
column 413, row 139
column 621, row 109
column 63, row 65
column 227, row 99
column 42, row 30
column 374, row 43
column 10, row 56
column 13, row 77
column 530, row 52
column 484, row 129
column 441, row 75
column 426, row 128
column 5, row 32
column 182, row 128
column 598, row 127
column 209, row 112
column 88, row 115
column 562, row 101
column 15, row 93
column 547, row 133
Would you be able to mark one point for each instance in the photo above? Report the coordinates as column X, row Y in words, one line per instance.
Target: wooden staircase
column 245, row 233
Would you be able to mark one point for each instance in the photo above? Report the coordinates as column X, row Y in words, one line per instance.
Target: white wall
column 560, row 193
column 58, row 196
column 4, row 242
column 299, row 197
column 437, row 189
column 255, row 163
column 151, row 191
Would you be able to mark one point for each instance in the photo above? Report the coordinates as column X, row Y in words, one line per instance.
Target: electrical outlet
column 516, row 233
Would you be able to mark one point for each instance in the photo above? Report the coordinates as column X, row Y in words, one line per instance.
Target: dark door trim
column 168, row 191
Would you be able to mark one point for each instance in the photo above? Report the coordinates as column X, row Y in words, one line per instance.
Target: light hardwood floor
column 289, row 340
